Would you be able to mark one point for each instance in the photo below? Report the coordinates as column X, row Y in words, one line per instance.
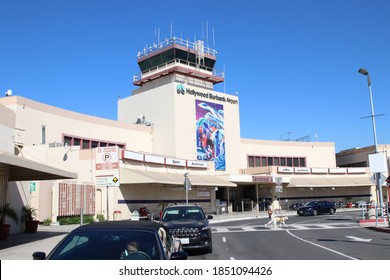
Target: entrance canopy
column 21, row 169
column 132, row 176
column 339, row 181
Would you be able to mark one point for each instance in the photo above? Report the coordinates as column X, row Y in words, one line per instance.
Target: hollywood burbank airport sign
column 181, row 89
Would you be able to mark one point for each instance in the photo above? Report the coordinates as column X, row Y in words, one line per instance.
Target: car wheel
column 210, row 249
column 315, row 213
column 331, row 211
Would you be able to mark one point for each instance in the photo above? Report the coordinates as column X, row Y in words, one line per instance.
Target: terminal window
column 86, row 143
column 259, row 161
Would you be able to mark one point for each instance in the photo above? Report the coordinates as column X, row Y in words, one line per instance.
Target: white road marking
column 359, row 239
column 224, row 240
column 223, row 229
column 320, row 246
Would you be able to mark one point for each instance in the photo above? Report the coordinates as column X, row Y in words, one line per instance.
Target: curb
column 381, row 229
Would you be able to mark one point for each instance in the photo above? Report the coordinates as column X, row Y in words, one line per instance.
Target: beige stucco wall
column 360, row 155
column 7, row 128
column 173, row 133
column 158, row 107
column 31, row 115
column 174, row 120
column 317, row 154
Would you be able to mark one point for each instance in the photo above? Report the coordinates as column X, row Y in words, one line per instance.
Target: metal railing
column 175, row 40
column 174, row 62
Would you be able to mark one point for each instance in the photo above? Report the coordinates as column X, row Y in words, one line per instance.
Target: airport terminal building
column 173, row 128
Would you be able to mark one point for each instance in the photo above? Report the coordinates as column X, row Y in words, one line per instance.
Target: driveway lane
column 324, row 238
column 351, row 241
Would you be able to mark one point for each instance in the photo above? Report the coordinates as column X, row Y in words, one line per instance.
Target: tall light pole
column 365, row 73
column 377, row 175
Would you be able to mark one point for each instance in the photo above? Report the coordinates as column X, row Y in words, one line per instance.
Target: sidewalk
column 20, row 246
column 226, row 217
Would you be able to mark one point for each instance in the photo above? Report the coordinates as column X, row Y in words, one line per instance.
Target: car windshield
column 311, row 203
column 176, row 214
column 107, row 245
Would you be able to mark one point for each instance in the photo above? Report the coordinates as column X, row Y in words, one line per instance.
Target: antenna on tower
column 207, row 33
column 156, row 35
column 224, row 76
column 202, row 32
column 213, row 39
column 171, row 30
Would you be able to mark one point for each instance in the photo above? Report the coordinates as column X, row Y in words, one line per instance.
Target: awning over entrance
column 132, row 176
column 339, row 181
column 21, row 169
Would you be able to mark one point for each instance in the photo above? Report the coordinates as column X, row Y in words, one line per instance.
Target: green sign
column 33, row 186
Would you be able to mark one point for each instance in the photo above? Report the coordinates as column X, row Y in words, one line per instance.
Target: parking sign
column 107, row 167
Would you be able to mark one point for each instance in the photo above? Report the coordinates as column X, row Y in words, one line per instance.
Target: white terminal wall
column 31, row 115
column 173, row 117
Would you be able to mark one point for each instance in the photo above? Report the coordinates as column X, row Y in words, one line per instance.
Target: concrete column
column 54, row 203
column 4, row 170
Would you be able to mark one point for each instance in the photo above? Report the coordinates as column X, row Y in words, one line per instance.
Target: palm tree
column 28, row 213
column 7, row 211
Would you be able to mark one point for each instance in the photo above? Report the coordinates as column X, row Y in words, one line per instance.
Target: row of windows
column 174, row 54
column 85, row 143
column 258, row 161
column 356, row 164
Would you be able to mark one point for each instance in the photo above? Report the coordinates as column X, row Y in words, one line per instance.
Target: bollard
column 135, row 215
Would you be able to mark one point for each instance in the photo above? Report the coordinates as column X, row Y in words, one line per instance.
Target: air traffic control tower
column 180, row 57
column 176, row 97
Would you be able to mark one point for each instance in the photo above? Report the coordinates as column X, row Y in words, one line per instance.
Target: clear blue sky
column 293, row 63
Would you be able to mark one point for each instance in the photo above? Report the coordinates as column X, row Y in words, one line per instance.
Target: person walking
column 271, row 215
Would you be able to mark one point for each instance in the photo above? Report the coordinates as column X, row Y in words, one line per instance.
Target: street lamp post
column 377, row 175
column 365, row 73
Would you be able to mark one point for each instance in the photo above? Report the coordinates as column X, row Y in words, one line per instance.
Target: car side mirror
column 39, row 255
column 210, row 217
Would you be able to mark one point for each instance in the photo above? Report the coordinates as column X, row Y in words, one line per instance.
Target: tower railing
column 172, row 41
column 175, row 62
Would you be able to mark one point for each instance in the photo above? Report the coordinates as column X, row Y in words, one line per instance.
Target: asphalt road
column 324, row 237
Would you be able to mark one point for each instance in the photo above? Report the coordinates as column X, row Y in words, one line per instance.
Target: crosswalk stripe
column 221, row 229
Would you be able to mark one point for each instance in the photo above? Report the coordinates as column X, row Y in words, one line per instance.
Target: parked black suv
column 190, row 224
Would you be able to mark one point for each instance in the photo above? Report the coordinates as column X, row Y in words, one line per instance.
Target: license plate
column 185, row 240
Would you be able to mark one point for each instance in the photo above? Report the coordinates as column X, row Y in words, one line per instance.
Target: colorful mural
column 210, row 132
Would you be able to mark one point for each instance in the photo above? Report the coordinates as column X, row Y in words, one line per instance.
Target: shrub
column 46, row 222
column 100, row 217
column 72, row 220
